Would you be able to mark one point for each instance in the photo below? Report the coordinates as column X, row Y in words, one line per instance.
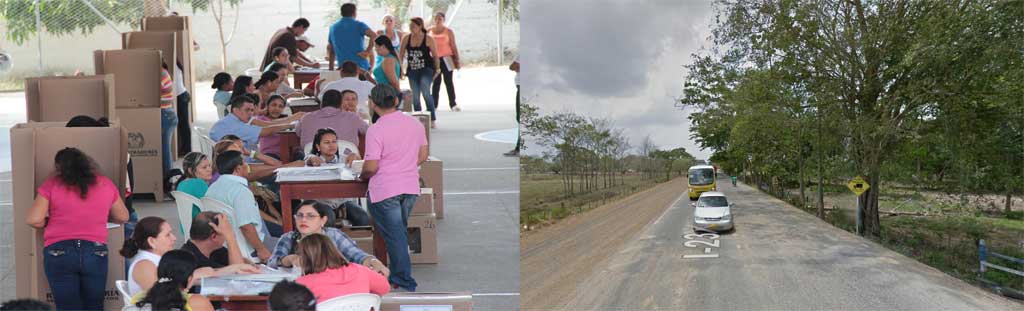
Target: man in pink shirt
column 347, row 125
column 395, row 147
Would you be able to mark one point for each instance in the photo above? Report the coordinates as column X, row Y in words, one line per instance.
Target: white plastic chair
column 255, row 73
column 122, row 289
column 353, row 302
column 211, row 205
column 205, row 142
column 184, row 202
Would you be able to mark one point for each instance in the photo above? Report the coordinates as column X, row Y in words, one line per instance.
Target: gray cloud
column 616, row 59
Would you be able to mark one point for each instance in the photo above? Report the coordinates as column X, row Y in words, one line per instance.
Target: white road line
column 670, row 207
column 481, row 169
column 700, row 256
column 497, row 294
column 5, row 180
column 707, row 250
column 481, row 192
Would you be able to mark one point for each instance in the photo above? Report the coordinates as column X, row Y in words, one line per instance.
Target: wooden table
column 327, row 190
column 241, row 302
column 304, row 76
column 289, row 145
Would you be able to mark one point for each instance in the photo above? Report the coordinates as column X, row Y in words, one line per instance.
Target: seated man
column 207, row 238
column 347, row 125
column 350, row 81
column 232, row 188
column 238, row 123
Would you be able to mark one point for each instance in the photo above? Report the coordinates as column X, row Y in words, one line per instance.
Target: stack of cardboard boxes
column 423, row 220
column 34, row 146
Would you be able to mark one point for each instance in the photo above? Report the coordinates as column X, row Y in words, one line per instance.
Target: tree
column 216, row 7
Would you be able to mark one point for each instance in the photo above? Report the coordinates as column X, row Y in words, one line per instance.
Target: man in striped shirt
column 168, row 118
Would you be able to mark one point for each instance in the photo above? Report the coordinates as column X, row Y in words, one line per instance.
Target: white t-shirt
column 362, row 89
column 179, row 82
column 142, row 255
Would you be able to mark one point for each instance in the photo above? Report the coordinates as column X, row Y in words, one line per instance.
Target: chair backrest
column 122, row 289
column 184, row 203
column 342, row 145
column 205, row 143
column 254, row 73
column 353, row 302
column 211, row 205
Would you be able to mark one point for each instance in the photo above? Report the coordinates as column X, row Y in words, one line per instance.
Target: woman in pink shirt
column 271, row 145
column 73, row 208
column 328, row 275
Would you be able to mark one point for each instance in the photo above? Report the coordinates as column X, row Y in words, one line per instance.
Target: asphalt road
column 778, row 258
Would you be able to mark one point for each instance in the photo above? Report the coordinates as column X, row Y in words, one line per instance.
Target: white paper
column 315, row 173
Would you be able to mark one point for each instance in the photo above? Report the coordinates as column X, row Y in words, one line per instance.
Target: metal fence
column 57, row 37
column 985, row 264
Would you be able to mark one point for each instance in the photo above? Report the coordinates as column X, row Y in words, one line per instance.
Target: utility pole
column 501, row 50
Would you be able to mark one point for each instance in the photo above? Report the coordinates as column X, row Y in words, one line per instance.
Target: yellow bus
column 701, row 179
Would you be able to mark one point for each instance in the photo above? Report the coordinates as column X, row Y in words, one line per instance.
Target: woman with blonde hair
column 328, row 275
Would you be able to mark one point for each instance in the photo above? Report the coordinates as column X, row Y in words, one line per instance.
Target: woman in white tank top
column 151, row 239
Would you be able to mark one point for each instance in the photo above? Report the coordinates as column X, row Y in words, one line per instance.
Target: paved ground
column 478, row 239
column 778, row 258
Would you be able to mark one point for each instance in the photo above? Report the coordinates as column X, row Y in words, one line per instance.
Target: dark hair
column 240, row 84
column 291, row 296
column 277, row 51
column 419, row 22
column 231, row 137
column 220, row 79
column 323, row 209
column 301, row 22
column 318, row 253
column 75, row 168
column 349, row 68
column 175, row 269
column 24, row 304
column 87, row 121
column 228, row 161
column 189, row 164
column 439, row 13
column 385, row 41
column 383, row 96
column 148, row 227
column 274, row 67
column 318, row 137
column 202, row 226
column 348, row 9
column 267, row 77
column 272, row 99
column 237, row 102
column 331, row 98
column 347, row 92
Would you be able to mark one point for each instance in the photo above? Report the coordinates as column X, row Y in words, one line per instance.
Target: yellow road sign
column 858, row 185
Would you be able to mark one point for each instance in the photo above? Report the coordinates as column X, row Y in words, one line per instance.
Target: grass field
column 542, row 200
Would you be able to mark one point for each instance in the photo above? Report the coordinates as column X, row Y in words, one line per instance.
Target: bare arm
column 424, row 153
column 253, row 238
column 118, row 212
column 401, row 51
column 37, row 213
column 391, row 74
column 271, row 130
column 225, row 229
column 303, row 61
column 369, row 169
column 433, row 53
column 144, row 274
column 260, row 171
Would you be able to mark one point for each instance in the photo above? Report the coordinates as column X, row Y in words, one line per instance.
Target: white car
column 712, row 212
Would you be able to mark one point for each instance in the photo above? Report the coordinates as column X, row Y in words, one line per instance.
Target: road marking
column 707, row 250
column 481, row 169
column 700, row 256
column 670, row 207
column 482, row 192
column 497, row 294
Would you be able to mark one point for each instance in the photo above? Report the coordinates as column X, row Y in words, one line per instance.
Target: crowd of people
column 76, row 202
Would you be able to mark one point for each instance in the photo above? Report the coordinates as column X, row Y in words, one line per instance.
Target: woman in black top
column 417, row 49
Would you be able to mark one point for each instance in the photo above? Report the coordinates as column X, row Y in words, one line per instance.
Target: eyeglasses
column 309, row 216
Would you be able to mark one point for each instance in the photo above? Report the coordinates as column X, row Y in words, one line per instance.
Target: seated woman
column 271, row 145
column 328, row 275
column 195, row 180
column 150, row 241
column 176, row 273
column 310, row 219
column 325, row 152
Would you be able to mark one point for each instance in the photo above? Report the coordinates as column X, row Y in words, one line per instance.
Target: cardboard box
column 363, row 236
column 136, row 75
column 432, row 176
column 423, row 239
column 165, row 41
column 407, row 100
column 182, row 27
column 144, row 144
column 58, row 99
column 424, row 118
column 34, row 146
column 427, row 301
column 425, row 203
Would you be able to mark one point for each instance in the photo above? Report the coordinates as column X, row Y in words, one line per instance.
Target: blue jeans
column 392, row 218
column 77, row 273
column 419, row 81
column 168, row 123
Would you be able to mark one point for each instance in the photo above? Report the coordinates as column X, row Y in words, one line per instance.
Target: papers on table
column 317, row 173
column 303, row 101
column 247, row 284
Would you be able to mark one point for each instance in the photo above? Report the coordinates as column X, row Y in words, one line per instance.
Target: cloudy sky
column 616, row 59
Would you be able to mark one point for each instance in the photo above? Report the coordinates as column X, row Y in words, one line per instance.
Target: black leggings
column 184, row 128
column 446, row 73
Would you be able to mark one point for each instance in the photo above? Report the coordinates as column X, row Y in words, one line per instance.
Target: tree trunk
column 870, row 220
column 1009, row 200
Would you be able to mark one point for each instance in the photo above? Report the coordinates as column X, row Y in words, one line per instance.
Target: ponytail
column 148, row 227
